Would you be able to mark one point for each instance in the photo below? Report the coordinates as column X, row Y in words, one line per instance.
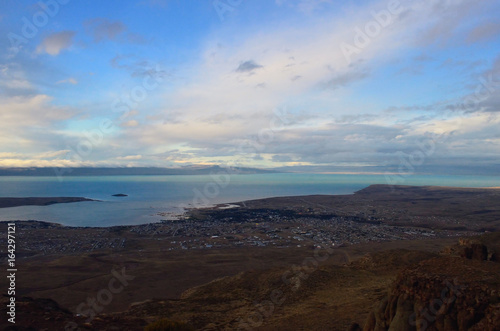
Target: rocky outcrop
column 443, row 293
column 483, row 248
column 355, row 327
column 474, row 250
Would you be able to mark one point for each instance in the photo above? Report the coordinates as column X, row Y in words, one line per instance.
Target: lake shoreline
column 9, row 202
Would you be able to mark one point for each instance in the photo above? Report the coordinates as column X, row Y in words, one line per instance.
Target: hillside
column 367, row 260
column 386, row 290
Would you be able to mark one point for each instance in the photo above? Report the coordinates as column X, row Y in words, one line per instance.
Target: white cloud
column 14, row 163
column 10, row 155
column 228, row 96
column 130, row 157
column 55, row 43
column 13, row 78
column 70, row 80
column 28, row 123
column 305, row 6
column 30, row 111
column 52, row 155
column 242, row 82
column 130, row 124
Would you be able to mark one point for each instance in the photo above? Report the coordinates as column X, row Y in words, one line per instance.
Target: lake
column 153, row 198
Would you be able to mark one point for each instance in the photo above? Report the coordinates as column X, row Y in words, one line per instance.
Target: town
column 221, row 228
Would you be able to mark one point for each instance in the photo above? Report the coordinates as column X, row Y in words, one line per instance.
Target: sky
column 305, row 85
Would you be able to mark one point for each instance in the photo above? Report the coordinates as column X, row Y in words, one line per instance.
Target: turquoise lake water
column 150, row 195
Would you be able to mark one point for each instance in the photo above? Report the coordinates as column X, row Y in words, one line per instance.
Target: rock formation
column 443, row 293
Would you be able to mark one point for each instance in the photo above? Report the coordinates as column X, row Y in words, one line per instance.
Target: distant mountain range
column 138, row 171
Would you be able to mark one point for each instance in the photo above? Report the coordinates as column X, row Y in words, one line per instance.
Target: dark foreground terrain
column 385, row 258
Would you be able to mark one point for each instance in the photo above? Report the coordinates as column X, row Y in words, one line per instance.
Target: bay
column 153, row 198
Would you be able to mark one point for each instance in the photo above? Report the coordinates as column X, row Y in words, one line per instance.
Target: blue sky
column 318, row 85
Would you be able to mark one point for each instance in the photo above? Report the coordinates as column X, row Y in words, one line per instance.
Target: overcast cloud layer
column 320, row 85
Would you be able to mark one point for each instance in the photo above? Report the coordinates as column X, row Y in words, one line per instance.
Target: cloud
column 217, row 108
column 441, row 29
column 309, row 6
column 13, row 80
column 10, row 155
column 344, row 79
column 484, row 94
column 130, row 124
column 30, row 122
column 70, row 80
column 230, row 85
column 484, row 32
column 52, row 155
column 305, row 6
column 489, row 98
column 248, row 66
column 24, row 163
column 135, row 38
column 224, row 108
column 280, row 158
column 26, row 111
column 55, row 43
column 130, row 157
column 103, row 29
column 138, row 67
